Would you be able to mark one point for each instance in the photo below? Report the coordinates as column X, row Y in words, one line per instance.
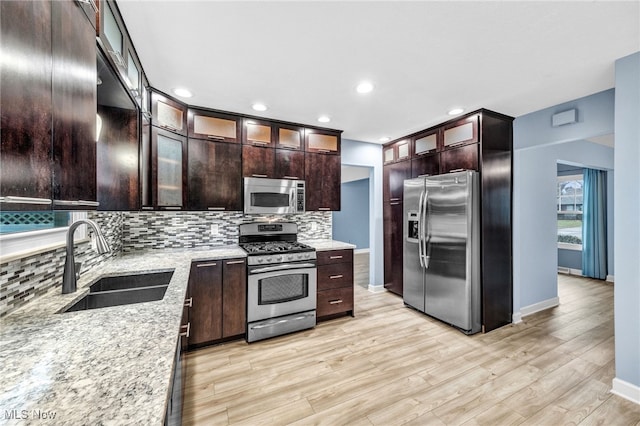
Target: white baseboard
column 360, row 251
column 376, row 288
column 610, row 278
column 540, row 306
column 569, row 271
column 516, row 318
column 626, row 390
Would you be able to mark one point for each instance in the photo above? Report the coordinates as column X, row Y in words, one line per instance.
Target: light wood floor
column 391, row 365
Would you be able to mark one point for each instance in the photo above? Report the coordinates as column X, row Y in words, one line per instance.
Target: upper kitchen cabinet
column 396, row 151
column 257, row 132
column 25, row 151
column 214, row 126
column 289, row 164
column 322, row 182
column 288, row 137
column 322, row 141
column 48, row 106
column 168, row 167
column 460, row 132
column 258, row 161
column 425, row 161
column 214, row 173
column 168, row 113
column 116, row 42
column 117, row 168
column 393, row 176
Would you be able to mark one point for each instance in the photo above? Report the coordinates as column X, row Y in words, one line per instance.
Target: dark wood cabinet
column 483, row 141
column 168, row 113
column 168, row 166
column 234, row 298
column 393, row 221
column 211, row 125
column 25, row 151
column 322, row 182
column 258, row 161
column 425, row 165
column 214, row 175
column 335, row 283
column 322, row 141
column 218, row 300
column 393, row 176
column 48, row 112
column 458, row 159
column 289, row 164
column 396, row 151
column 205, row 287
column 257, row 132
column 289, row 137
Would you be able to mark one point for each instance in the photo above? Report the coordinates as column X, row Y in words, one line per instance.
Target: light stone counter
column 108, row 366
column 324, row 245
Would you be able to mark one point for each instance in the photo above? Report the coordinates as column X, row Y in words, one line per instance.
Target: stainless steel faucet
column 70, row 267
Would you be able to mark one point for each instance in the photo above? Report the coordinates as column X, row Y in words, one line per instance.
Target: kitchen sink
column 124, row 290
column 124, row 282
column 106, row 299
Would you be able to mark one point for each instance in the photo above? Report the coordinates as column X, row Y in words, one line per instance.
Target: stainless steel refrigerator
column 441, row 269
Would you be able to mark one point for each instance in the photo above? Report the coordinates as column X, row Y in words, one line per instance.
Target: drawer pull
column 171, row 208
column 218, row 138
column 335, row 257
column 25, row 200
column 188, row 303
column 235, row 262
column 335, row 302
column 258, row 176
column 324, row 208
column 333, row 277
column 206, row 265
column 187, row 330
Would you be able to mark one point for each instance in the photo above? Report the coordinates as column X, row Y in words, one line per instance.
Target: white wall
column 355, row 153
column 627, row 234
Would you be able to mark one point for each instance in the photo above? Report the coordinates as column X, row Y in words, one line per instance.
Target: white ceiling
column 304, row 59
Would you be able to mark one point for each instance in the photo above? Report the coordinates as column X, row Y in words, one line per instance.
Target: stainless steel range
column 281, row 280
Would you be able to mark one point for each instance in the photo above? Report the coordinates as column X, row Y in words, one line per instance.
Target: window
column 569, row 203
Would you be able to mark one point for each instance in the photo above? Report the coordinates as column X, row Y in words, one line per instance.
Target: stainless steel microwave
column 273, row 196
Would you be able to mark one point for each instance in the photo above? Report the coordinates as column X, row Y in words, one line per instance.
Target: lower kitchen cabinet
column 218, row 293
column 335, row 283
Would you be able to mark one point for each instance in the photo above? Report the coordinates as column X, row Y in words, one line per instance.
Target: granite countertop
column 101, row 366
column 324, row 245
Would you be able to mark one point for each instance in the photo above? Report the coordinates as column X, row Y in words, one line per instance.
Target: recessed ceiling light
column 364, row 87
column 259, row 107
column 182, row 92
column 385, row 139
column 456, row 111
column 324, row 119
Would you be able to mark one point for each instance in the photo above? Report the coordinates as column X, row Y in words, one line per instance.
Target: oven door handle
column 282, row 267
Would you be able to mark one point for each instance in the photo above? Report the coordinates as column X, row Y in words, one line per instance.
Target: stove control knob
column 299, row 256
column 267, row 259
column 278, row 258
column 259, row 259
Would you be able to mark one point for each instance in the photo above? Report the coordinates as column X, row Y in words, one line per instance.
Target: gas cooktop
column 272, row 247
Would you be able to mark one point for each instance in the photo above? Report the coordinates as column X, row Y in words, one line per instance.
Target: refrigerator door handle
column 420, row 229
column 427, row 238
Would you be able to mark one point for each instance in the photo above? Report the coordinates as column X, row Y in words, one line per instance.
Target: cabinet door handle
column 394, row 204
column 216, row 137
column 324, row 208
column 147, row 207
column 291, row 177
column 324, row 150
column 259, row 176
column 25, row 200
column 215, row 208
column 166, row 126
column 147, row 115
column 117, row 57
column 187, row 330
column 235, row 262
column 259, row 142
column 206, row 265
column 188, row 303
column 90, row 3
column 75, row 203
column 456, row 170
column 333, row 277
column 335, row 257
column 171, row 208
column 424, row 175
column 394, row 199
column 335, row 302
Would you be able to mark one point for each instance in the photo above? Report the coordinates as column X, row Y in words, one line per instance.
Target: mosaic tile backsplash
column 23, row 280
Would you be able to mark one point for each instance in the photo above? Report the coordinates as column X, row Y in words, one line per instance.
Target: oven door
column 269, row 196
column 283, row 289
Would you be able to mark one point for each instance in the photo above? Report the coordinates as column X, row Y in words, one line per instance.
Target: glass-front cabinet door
column 169, row 154
column 215, row 126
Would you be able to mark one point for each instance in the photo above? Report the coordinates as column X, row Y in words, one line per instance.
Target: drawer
column 334, row 301
column 334, row 256
column 335, row 275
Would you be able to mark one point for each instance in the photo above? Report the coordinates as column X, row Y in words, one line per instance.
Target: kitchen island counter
column 100, row 366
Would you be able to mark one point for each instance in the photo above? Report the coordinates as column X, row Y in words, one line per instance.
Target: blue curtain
column 594, row 224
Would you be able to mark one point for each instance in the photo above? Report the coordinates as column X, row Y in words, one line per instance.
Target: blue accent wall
column 351, row 223
column 627, row 232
